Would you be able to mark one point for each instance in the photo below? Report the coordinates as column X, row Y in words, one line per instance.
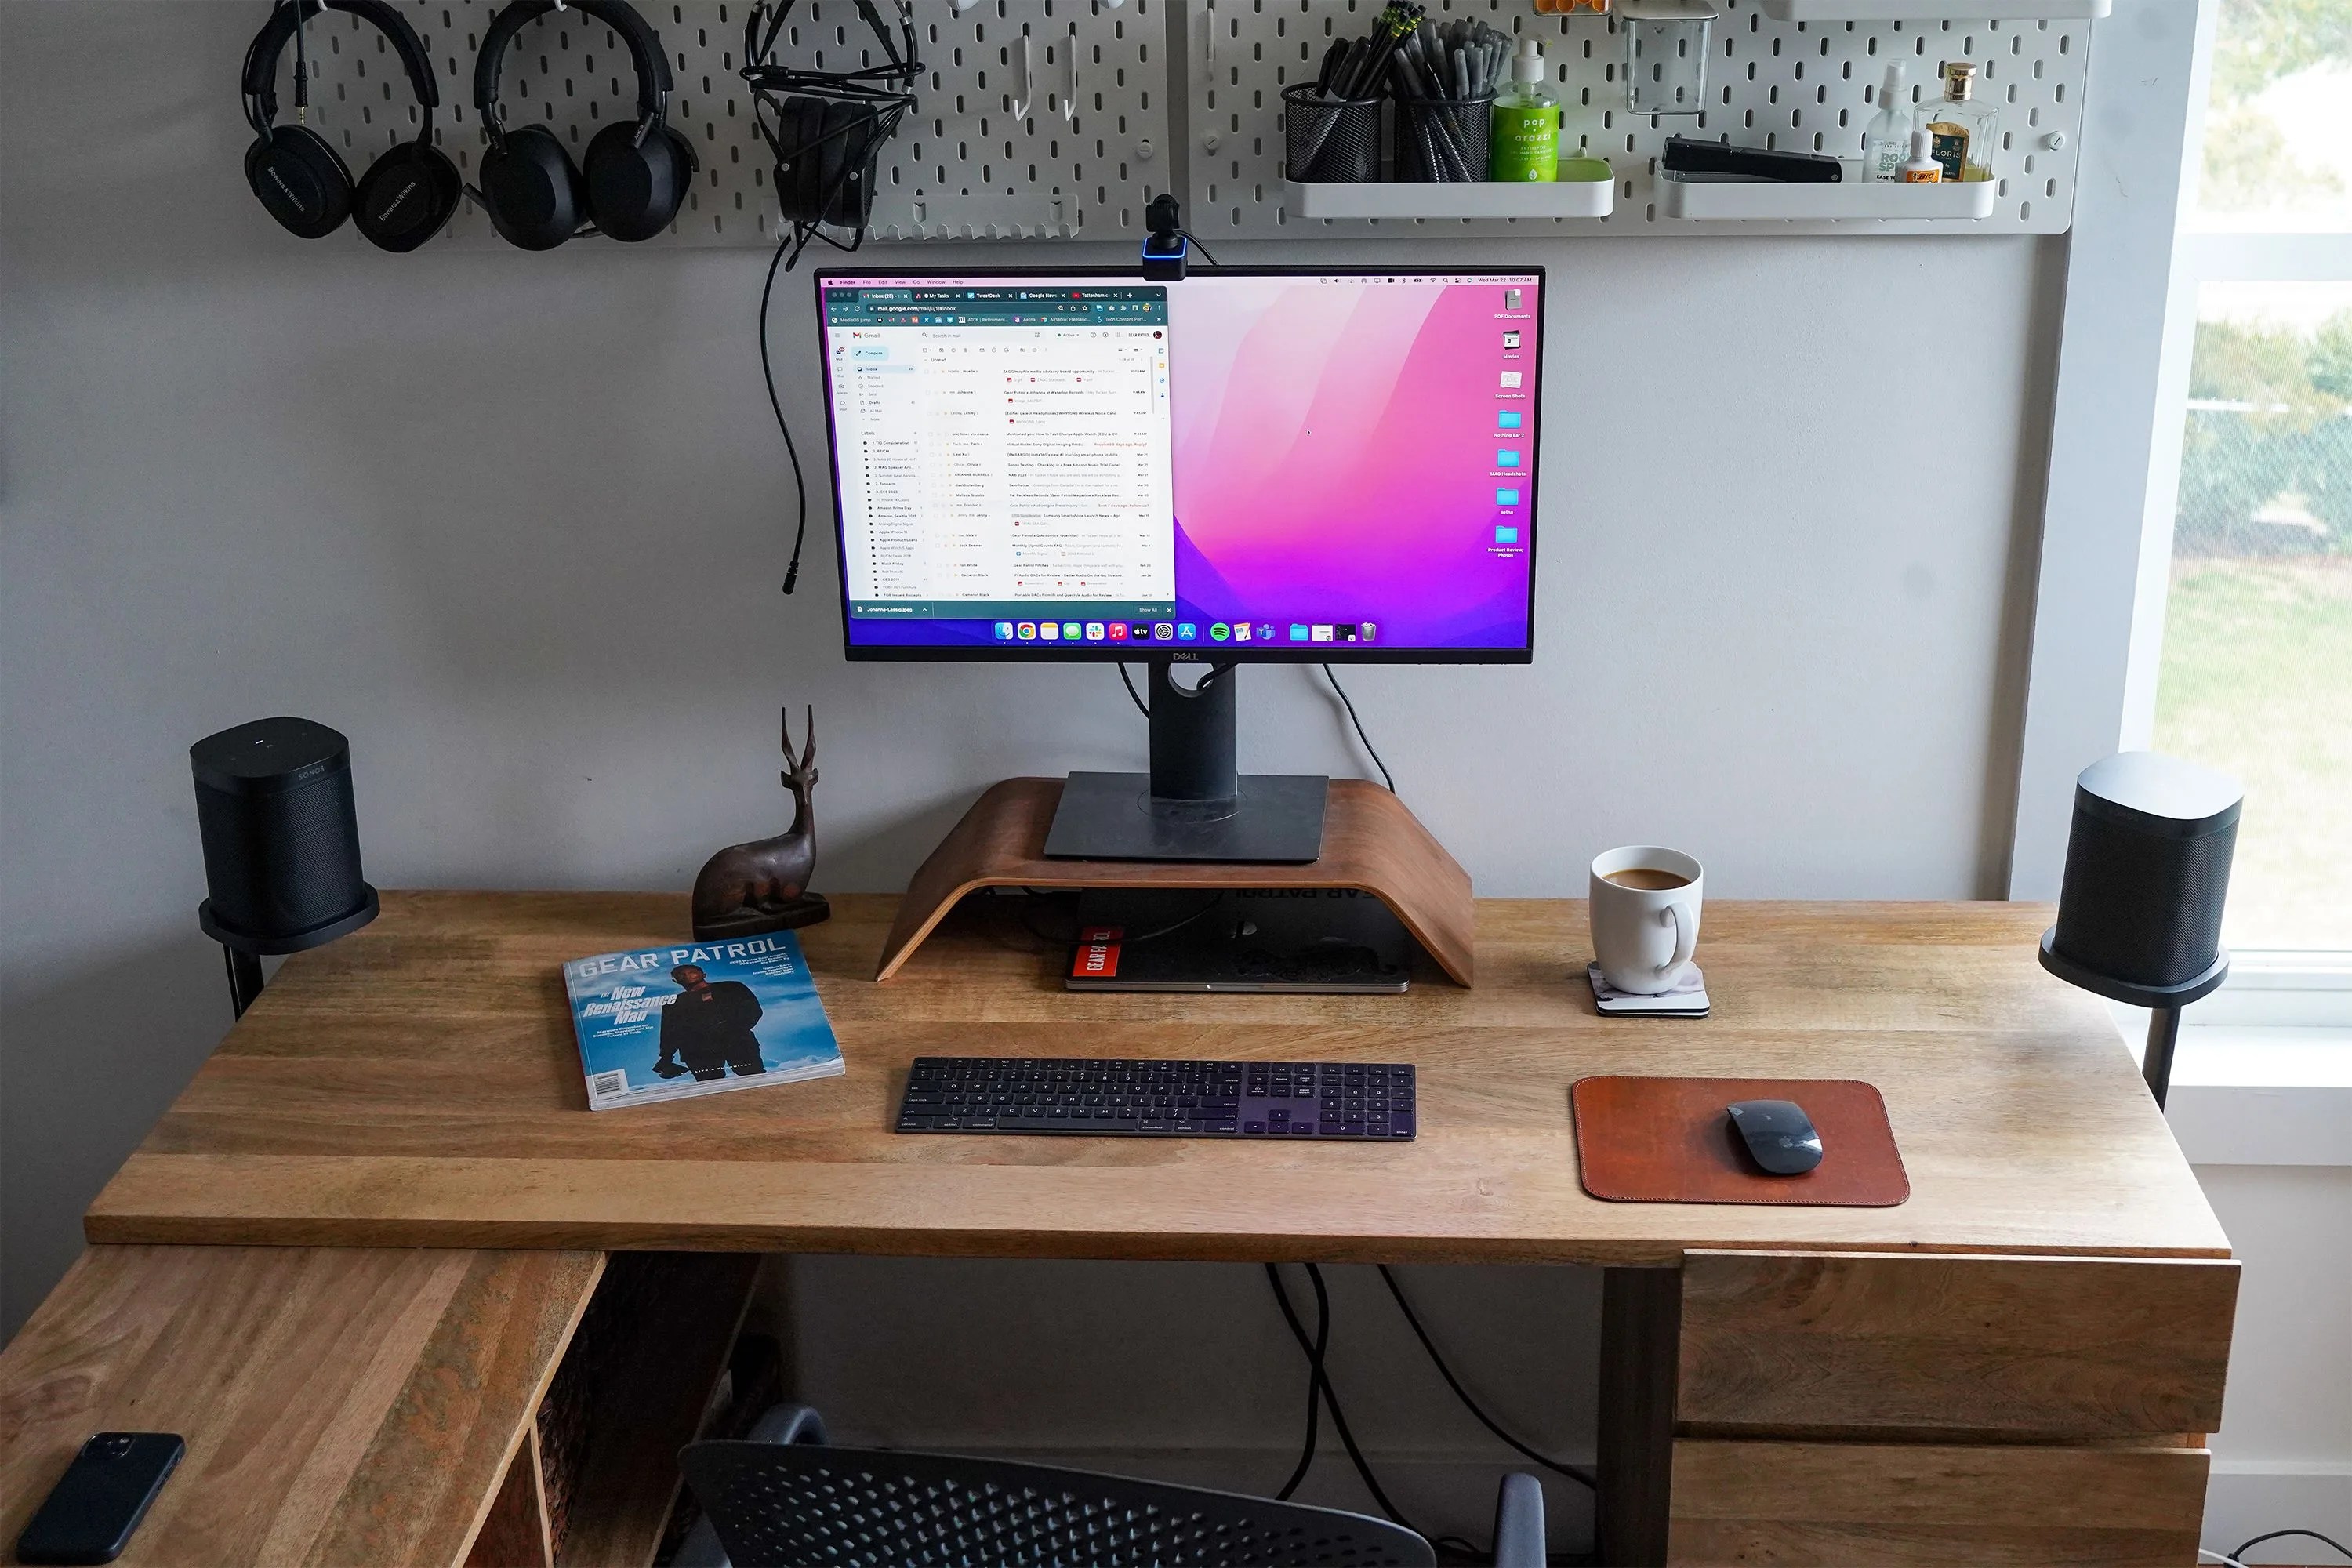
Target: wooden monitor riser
column 1371, row 844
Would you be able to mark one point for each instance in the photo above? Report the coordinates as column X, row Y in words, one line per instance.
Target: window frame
column 2128, row 332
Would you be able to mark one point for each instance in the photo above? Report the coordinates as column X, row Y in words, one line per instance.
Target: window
column 2255, row 669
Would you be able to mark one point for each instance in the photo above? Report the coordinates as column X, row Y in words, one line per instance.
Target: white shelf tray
column 1929, row 11
column 1704, row 197
column 1450, row 199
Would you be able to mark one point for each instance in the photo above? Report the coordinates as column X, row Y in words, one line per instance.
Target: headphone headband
column 261, row 58
column 644, row 53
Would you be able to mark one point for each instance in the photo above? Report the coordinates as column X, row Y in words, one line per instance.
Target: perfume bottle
column 1961, row 126
column 1886, row 140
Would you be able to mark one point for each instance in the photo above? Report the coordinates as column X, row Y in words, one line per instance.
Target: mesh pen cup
column 1334, row 141
column 1443, row 139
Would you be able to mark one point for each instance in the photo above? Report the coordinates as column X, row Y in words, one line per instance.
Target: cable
column 1131, row 697
column 301, row 67
column 1385, row 777
column 2241, row 1552
column 1314, row 1380
column 768, row 374
column 1192, row 238
column 1330, row 1396
column 1581, row 1477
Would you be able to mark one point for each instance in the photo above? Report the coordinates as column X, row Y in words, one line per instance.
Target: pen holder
column 1329, row 142
column 1443, row 138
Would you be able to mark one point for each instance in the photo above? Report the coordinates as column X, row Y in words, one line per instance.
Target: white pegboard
column 961, row 165
column 1084, row 163
column 1798, row 85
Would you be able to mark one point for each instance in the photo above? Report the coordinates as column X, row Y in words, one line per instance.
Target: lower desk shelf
column 596, row 1481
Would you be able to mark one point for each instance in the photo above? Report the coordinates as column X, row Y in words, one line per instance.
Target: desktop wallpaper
column 1353, row 465
column 1336, row 458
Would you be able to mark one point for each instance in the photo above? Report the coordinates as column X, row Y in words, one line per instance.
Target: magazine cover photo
column 667, row 1023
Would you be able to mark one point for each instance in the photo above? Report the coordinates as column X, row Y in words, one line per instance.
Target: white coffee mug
column 1645, row 902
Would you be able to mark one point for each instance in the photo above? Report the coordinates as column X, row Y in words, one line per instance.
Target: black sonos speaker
column 281, row 842
column 2148, row 871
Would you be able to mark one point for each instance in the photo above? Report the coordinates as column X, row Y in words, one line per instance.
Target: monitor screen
column 1248, row 464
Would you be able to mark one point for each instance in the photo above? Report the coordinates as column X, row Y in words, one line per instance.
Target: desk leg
column 1641, row 1332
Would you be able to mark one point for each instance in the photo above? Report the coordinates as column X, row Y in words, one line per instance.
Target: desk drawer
column 1928, row 1505
column 2022, row 1347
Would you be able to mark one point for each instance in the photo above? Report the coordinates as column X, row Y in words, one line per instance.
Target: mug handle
column 1685, row 937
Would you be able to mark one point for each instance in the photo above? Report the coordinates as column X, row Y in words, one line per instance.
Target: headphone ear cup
column 536, row 198
column 406, row 198
column 635, row 189
column 300, row 179
column 849, row 139
column 797, row 189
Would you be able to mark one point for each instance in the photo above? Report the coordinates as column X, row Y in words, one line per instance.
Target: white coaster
column 1687, row 1000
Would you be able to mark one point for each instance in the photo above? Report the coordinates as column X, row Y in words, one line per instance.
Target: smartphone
column 89, row 1514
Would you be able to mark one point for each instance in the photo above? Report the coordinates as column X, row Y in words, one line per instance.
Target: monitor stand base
column 1371, row 843
column 1272, row 817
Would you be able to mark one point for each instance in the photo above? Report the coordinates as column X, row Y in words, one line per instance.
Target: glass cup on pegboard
column 1328, row 141
column 1443, row 138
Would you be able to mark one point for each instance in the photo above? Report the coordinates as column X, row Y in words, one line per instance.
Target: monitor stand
column 1191, row 805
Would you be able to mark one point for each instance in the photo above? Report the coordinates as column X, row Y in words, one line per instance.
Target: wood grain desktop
column 2015, row 1366
column 416, row 1084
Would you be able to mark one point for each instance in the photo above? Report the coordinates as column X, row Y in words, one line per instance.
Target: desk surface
column 416, row 1084
column 339, row 1406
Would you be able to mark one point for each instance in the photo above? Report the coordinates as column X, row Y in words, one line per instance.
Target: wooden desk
column 2015, row 1366
column 416, row 1085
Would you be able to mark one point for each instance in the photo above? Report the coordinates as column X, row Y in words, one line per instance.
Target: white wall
column 2283, row 1455
column 515, row 524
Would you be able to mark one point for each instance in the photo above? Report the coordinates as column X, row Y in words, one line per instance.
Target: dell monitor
column 1250, row 465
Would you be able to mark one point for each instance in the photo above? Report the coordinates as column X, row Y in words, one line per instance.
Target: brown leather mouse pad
column 1670, row 1141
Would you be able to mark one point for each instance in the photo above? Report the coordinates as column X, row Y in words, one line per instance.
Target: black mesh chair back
column 812, row 1507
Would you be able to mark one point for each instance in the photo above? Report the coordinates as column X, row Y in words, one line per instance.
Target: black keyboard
column 1120, row 1098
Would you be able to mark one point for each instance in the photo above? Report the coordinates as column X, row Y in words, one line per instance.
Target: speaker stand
column 2155, row 1067
column 244, row 979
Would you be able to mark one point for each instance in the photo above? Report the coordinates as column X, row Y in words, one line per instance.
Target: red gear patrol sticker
column 1098, row 954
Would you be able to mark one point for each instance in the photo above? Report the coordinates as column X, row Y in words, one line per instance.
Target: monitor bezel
column 1190, row 653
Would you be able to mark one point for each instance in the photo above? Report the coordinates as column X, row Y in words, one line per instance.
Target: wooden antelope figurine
column 747, row 889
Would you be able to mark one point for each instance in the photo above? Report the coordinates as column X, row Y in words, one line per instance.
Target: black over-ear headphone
column 406, row 196
column 826, row 127
column 636, row 174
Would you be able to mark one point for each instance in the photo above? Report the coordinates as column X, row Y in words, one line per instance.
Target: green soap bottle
column 1523, row 144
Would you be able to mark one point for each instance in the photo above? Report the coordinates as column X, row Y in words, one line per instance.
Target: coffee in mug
column 1645, row 908
column 1645, row 879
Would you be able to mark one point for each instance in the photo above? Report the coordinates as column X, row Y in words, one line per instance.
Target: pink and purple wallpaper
column 1346, row 451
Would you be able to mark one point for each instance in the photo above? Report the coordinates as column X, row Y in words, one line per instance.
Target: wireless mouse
column 1779, row 1134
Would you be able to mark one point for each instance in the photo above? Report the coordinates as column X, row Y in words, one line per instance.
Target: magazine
column 668, row 1023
